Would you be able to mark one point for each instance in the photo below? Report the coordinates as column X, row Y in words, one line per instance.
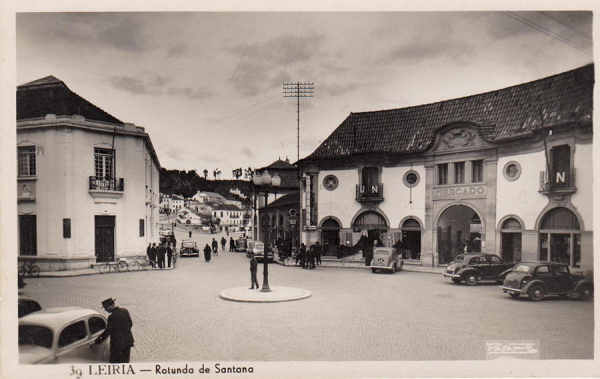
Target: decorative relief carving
column 459, row 137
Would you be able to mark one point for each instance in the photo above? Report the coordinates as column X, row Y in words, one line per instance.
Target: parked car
column 189, row 248
column 386, row 258
column 27, row 306
column 540, row 279
column 241, row 244
column 62, row 335
column 474, row 268
column 258, row 249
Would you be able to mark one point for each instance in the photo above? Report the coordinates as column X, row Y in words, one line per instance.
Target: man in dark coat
column 119, row 330
column 318, row 252
column 301, row 256
column 231, row 245
column 149, row 252
column 311, row 257
column 215, row 246
column 207, row 252
column 223, row 243
column 161, row 256
column 153, row 254
column 169, row 255
column 253, row 268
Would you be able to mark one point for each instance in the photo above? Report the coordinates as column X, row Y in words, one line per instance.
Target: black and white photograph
column 299, row 193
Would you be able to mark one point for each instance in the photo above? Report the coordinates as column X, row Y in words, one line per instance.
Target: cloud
column 132, row 85
column 336, row 89
column 256, row 62
column 191, row 93
column 420, row 50
column 248, row 153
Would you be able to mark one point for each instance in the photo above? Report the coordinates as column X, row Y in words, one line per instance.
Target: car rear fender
column 582, row 283
column 531, row 283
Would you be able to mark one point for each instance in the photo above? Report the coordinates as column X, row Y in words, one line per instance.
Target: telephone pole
column 298, row 90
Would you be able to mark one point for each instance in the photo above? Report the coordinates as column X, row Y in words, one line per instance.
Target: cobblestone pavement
column 351, row 315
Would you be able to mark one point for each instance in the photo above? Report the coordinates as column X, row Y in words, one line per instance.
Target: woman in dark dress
column 207, row 253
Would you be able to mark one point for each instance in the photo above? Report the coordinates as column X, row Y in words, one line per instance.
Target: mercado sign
column 460, row 192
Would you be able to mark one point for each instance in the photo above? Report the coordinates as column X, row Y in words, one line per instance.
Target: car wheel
column 373, row 270
column 471, row 279
column 536, row 293
column 456, row 280
column 585, row 292
column 514, row 295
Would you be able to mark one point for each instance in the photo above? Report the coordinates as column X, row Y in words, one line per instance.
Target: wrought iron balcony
column 371, row 193
column 560, row 185
column 107, row 184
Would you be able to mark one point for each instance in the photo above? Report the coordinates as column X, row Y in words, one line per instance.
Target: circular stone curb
column 277, row 294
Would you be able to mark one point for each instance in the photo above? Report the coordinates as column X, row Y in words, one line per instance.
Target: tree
column 216, row 172
column 248, row 173
column 205, row 172
column 237, row 173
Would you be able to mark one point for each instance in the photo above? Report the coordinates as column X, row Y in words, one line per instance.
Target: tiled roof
column 291, row 199
column 279, row 164
column 50, row 95
column 513, row 111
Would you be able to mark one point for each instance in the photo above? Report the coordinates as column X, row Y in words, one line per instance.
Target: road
column 353, row 314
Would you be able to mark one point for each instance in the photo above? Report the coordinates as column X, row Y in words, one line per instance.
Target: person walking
column 253, row 268
column 119, row 330
column 231, row 245
column 169, row 255
column 301, row 254
column 207, row 253
column 311, row 257
column 223, row 243
column 318, row 253
column 190, row 234
column 149, row 252
column 215, row 246
column 153, row 255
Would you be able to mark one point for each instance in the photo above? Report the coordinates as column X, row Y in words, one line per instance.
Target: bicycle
column 29, row 269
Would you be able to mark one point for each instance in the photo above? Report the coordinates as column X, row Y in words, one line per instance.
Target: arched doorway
column 330, row 235
column 458, row 226
column 511, row 240
column 411, row 238
column 371, row 225
column 560, row 237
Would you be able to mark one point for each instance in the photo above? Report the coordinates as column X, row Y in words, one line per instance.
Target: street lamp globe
column 276, row 180
column 266, row 178
column 257, row 179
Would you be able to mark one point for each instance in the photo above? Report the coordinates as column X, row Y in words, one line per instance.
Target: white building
column 230, row 215
column 505, row 172
column 177, row 202
column 88, row 184
column 208, row 197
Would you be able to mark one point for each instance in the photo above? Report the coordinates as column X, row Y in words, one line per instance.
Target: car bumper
column 382, row 267
column 510, row 290
column 451, row 276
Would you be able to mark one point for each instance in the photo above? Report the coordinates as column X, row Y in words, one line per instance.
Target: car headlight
column 524, row 282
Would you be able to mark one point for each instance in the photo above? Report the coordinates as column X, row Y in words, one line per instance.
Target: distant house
column 230, row 215
column 88, row 183
column 209, row 197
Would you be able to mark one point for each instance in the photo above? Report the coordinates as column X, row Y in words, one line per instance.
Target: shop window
column 477, row 171
column 459, row 172
column 560, row 238
column 442, row 173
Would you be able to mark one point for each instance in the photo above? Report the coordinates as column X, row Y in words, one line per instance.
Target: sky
column 207, row 87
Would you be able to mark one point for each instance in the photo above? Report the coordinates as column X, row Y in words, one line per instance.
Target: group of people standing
column 311, row 257
column 161, row 256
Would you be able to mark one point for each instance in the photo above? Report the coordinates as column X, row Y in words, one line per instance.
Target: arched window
column 370, row 220
column 560, row 237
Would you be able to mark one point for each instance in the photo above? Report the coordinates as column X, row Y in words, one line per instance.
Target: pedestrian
column 190, row 234
column 253, row 267
column 161, row 255
column 215, row 246
column 119, row 330
column 301, row 254
column 227, row 230
column 169, row 255
column 149, row 252
column 318, row 253
column 223, row 243
column 207, row 252
column 231, row 245
column 311, row 257
column 153, row 255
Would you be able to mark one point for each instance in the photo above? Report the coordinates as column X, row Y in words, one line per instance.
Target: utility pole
column 298, row 90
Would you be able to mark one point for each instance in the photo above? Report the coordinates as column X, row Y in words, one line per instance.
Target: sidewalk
column 349, row 262
column 87, row 271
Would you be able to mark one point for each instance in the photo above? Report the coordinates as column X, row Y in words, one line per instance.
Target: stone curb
column 67, row 273
column 278, row 294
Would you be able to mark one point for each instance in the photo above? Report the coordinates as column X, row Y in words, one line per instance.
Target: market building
column 505, row 172
column 88, row 183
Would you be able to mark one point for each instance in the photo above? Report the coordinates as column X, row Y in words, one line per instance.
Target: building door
column 330, row 234
column 27, row 235
column 372, row 225
column 458, row 227
column 511, row 240
column 411, row 238
column 105, row 238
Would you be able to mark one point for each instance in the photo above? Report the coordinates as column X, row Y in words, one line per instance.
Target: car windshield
column 459, row 258
column 522, row 268
column 35, row 335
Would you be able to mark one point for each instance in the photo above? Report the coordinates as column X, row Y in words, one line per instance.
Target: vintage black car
column 189, row 248
column 540, row 279
column 474, row 268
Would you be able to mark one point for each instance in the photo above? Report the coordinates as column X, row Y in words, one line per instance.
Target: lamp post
column 264, row 179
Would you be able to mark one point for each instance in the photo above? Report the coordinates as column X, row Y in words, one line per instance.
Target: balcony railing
column 107, row 184
column 369, row 193
column 561, row 184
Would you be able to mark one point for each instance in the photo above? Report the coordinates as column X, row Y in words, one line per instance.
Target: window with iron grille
column 26, row 160
column 103, row 163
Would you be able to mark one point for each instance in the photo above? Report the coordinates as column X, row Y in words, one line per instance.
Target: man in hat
column 119, row 330
column 253, row 267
